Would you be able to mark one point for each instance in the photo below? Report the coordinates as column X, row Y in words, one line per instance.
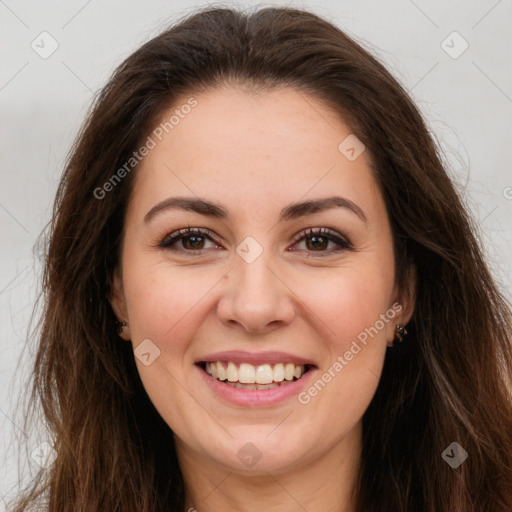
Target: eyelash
column 330, row 235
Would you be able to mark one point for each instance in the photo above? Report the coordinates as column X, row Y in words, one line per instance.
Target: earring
column 121, row 326
column 400, row 333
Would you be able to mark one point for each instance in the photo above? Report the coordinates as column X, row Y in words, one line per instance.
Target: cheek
column 349, row 307
column 166, row 304
column 162, row 299
column 349, row 299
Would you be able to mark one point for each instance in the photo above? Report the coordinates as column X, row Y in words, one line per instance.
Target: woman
column 263, row 291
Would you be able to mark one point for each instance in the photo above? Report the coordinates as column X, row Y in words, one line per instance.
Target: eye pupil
column 322, row 244
column 187, row 239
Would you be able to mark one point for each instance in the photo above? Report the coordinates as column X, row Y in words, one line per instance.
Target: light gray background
column 466, row 100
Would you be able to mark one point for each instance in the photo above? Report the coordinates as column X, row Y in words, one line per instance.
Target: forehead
column 253, row 151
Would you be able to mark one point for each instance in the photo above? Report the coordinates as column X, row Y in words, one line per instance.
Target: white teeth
column 247, row 376
column 232, row 372
column 279, row 372
column 221, row 372
column 289, row 371
column 264, row 374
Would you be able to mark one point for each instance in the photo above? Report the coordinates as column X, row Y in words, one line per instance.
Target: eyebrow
column 290, row 212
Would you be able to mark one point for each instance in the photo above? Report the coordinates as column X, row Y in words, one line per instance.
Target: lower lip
column 255, row 397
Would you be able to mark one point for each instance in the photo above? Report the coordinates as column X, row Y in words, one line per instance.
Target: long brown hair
column 449, row 382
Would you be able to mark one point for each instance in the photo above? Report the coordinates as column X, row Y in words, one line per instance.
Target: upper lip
column 240, row 356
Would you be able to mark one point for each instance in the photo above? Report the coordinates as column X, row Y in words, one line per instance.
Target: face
column 261, row 289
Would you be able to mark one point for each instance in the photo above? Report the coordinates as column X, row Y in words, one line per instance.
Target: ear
column 118, row 302
column 406, row 296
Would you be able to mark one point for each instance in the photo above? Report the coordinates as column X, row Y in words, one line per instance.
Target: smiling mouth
column 248, row 376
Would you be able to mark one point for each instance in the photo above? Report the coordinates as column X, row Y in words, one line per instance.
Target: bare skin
column 255, row 155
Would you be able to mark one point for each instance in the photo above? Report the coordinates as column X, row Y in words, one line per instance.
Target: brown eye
column 192, row 240
column 318, row 240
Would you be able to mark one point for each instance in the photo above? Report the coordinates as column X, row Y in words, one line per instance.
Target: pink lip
column 240, row 356
column 255, row 397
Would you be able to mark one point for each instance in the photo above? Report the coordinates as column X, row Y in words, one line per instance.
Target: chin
column 259, row 454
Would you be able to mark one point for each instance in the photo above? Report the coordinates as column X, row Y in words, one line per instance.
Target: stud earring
column 121, row 326
column 400, row 333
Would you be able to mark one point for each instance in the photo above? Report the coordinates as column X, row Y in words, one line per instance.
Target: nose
column 256, row 298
